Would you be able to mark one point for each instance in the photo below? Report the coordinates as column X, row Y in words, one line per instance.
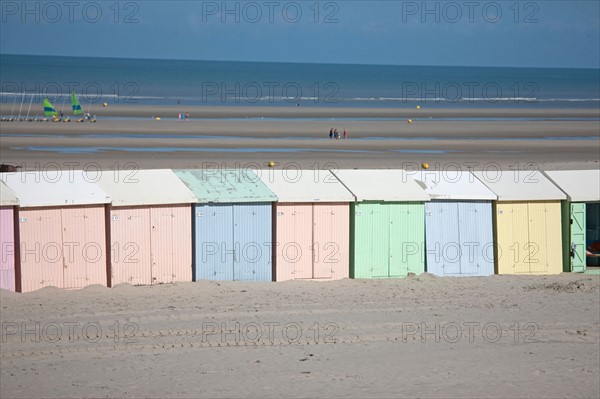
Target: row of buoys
column 409, row 121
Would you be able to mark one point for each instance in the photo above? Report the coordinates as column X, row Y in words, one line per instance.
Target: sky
column 515, row 33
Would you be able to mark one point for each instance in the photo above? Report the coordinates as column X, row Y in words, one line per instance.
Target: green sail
column 49, row 108
column 75, row 104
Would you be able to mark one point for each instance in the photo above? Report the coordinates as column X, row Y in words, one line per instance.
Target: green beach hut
column 580, row 219
column 387, row 223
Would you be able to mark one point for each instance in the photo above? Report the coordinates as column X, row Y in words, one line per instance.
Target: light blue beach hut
column 231, row 224
column 458, row 223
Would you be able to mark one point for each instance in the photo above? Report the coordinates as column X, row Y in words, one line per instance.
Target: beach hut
column 8, row 204
column 311, row 224
column 458, row 223
column 386, row 223
column 150, row 227
column 580, row 218
column 527, row 216
column 232, row 224
column 61, row 229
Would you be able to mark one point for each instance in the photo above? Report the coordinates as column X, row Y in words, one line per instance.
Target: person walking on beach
column 345, row 133
column 330, row 133
column 336, row 134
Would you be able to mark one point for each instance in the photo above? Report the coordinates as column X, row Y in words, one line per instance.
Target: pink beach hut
column 311, row 221
column 150, row 227
column 8, row 204
column 61, row 229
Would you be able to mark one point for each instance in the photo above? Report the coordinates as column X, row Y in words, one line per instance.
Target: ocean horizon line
column 293, row 62
column 292, row 99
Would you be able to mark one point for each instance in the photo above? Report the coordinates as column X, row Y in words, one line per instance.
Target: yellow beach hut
column 527, row 221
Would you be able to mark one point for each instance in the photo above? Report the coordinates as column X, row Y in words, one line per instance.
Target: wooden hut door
column 130, row 246
column 476, row 238
column 330, row 247
column 293, row 241
column 402, row 238
column 300, row 252
column 215, row 250
column 380, row 263
column 161, row 238
column 535, row 250
column 7, row 250
column 578, row 218
column 74, row 240
column 250, row 233
column 72, row 220
column 41, row 248
column 285, row 231
column 515, row 253
column 443, row 238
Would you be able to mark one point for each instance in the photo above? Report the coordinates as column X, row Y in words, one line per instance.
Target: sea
column 28, row 78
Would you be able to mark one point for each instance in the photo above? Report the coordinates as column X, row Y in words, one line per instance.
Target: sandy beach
column 203, row 224
column 425, row 336
column 241, row 136
column 499, row 336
